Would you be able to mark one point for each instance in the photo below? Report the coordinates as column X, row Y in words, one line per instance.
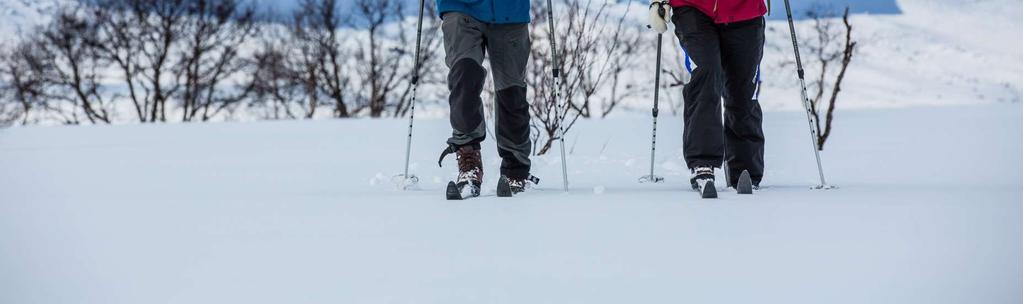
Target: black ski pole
column 412, row 180
column 806, row 99
column 556, row 70
column 657, row 88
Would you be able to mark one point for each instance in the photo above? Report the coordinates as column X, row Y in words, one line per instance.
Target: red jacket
column 726, row 11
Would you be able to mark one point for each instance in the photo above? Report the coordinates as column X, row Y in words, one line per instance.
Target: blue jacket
column 488, row 11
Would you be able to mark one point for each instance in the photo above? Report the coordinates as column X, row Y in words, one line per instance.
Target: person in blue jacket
column 474, row 30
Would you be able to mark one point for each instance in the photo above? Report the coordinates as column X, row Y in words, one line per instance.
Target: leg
column 703, row 143
column 509, row 54
column 742, row 47
column 464, row 52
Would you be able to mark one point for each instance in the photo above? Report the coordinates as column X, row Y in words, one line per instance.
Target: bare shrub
column 831, row 46
column 594, row 48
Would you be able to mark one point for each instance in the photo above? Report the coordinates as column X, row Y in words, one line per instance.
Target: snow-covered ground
column 929, row 211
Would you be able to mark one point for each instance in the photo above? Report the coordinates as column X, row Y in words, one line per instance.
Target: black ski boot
column 745, row 184
column 470, row 172
column 703, row 182
column 507, row 187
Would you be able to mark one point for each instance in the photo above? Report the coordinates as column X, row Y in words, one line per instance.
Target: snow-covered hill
column 303, row 211
column 937, row 52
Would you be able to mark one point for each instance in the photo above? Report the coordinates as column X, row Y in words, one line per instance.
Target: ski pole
column 657, row 88
column 806, row 100
column 556, row 70
column 410, row 180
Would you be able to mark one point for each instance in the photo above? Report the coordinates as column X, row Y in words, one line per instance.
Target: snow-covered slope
column 303, row 211
column 937, row 52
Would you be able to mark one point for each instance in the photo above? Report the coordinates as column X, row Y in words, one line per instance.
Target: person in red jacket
column 725, row 39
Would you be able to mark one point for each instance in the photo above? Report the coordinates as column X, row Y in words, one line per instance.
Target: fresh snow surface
column 928, row 211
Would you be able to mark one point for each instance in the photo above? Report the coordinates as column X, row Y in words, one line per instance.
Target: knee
column 513, row 99
column 467, row 75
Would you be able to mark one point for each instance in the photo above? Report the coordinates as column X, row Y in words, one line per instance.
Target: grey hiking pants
column 727, row 57
column 466, row 42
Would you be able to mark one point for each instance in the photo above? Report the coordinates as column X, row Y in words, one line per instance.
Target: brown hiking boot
column 470, row 166
column 470, row 172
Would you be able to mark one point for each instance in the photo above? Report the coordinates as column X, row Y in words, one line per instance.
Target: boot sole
column 745, row 184
column 503, row 190
column 453, row 193
column 709, row 191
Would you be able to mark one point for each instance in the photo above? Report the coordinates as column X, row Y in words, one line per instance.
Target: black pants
column 727, row 57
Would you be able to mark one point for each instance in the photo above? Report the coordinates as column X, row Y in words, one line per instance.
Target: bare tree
column 377, row 61
column 600, row 47
column 21, row 84
column 164, row 28
column 29, row 78
column 8, row 113
column 549, row 114
column 67, row 49
column 306, row 54
column 119, row 44
column 620, row 51
column 831, row 47
column 12, row 109
column 430, row 68
column 319, row 63
column 357, row 71
column 141, row 38
column 275, row 84
column 212, row 36
column 592, row 48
